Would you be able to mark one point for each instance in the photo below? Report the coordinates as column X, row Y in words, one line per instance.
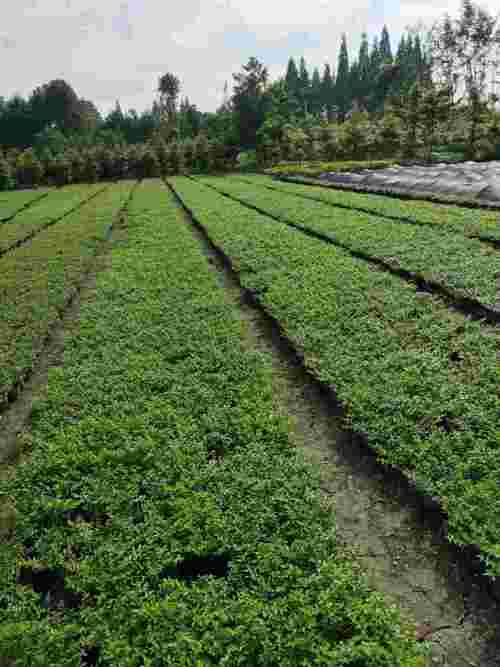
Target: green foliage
column 417, row 378
column 473, row 223
column 29, row 170
column 6, row 180
column 249, row 101
column 247, row 161
column 158, row 444
column 59, row 171
column 318, row 168
column 49, row 268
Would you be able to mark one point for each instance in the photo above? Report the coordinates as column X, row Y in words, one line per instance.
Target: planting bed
column 463, row 268
column 38, row 278
column 418, row 379
column 13, row 202
column 475, row 223
column 26, row 224
column 163, row 516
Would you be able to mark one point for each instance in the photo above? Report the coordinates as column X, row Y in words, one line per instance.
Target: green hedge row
column 318, row 168
column 418, row 379
column 40, row 277
column 163, row 517
column 462, row 266
column 469, row 222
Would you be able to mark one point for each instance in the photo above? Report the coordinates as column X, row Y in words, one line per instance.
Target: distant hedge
column 27, row 169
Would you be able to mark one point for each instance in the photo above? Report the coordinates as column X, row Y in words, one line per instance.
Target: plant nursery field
column 159, row 512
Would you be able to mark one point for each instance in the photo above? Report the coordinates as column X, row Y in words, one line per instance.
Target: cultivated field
column 163, row 514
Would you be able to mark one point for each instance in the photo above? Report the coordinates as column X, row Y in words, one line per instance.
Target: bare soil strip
column 397, row 535
column 15, row 415
column 468, row 307
column 29, row 204
column 48, row 224
column 385, row 216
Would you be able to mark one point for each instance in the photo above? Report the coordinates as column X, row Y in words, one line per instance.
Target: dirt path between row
column 379, row 518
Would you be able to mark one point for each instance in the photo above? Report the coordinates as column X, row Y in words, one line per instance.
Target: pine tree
column 316, row 102
column 342, row 87
column 328, row 92
column 364, row 72
column 292, row 83
column 385, row 47
column 304, row 87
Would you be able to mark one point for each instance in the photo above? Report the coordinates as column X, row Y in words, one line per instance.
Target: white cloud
column 117, row 49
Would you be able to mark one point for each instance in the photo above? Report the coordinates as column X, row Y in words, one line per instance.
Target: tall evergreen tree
column 328, row 91
column 316, row 101
column 292, row 84
column 342, row 84
column 249, row 101
column 385, row 47
column 304, row 86
column 375, row 65
column 364, row 72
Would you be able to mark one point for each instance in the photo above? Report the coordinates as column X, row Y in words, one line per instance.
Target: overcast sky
column 112, row 50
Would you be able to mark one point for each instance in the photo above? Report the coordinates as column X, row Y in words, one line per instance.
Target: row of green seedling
column 39, row 278
column 44, row 213
column 474, row 223
column 163, row 517
column 464, row 268
column 11, row 203
column 419, row 380
column 488, row 212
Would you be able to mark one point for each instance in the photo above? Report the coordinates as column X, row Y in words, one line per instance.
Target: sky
column 111, row 50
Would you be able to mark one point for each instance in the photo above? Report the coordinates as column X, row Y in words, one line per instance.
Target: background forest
column 434, row 89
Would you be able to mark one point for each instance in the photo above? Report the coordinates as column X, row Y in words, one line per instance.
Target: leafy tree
column 59, row 170
column 6, row 179
column 29, row 170
column 189, row 119
column 169, row 88
column 464, row 53
column 56, row 103
column 250, row 101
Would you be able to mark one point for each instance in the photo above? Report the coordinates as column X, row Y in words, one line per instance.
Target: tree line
column 433, row 89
